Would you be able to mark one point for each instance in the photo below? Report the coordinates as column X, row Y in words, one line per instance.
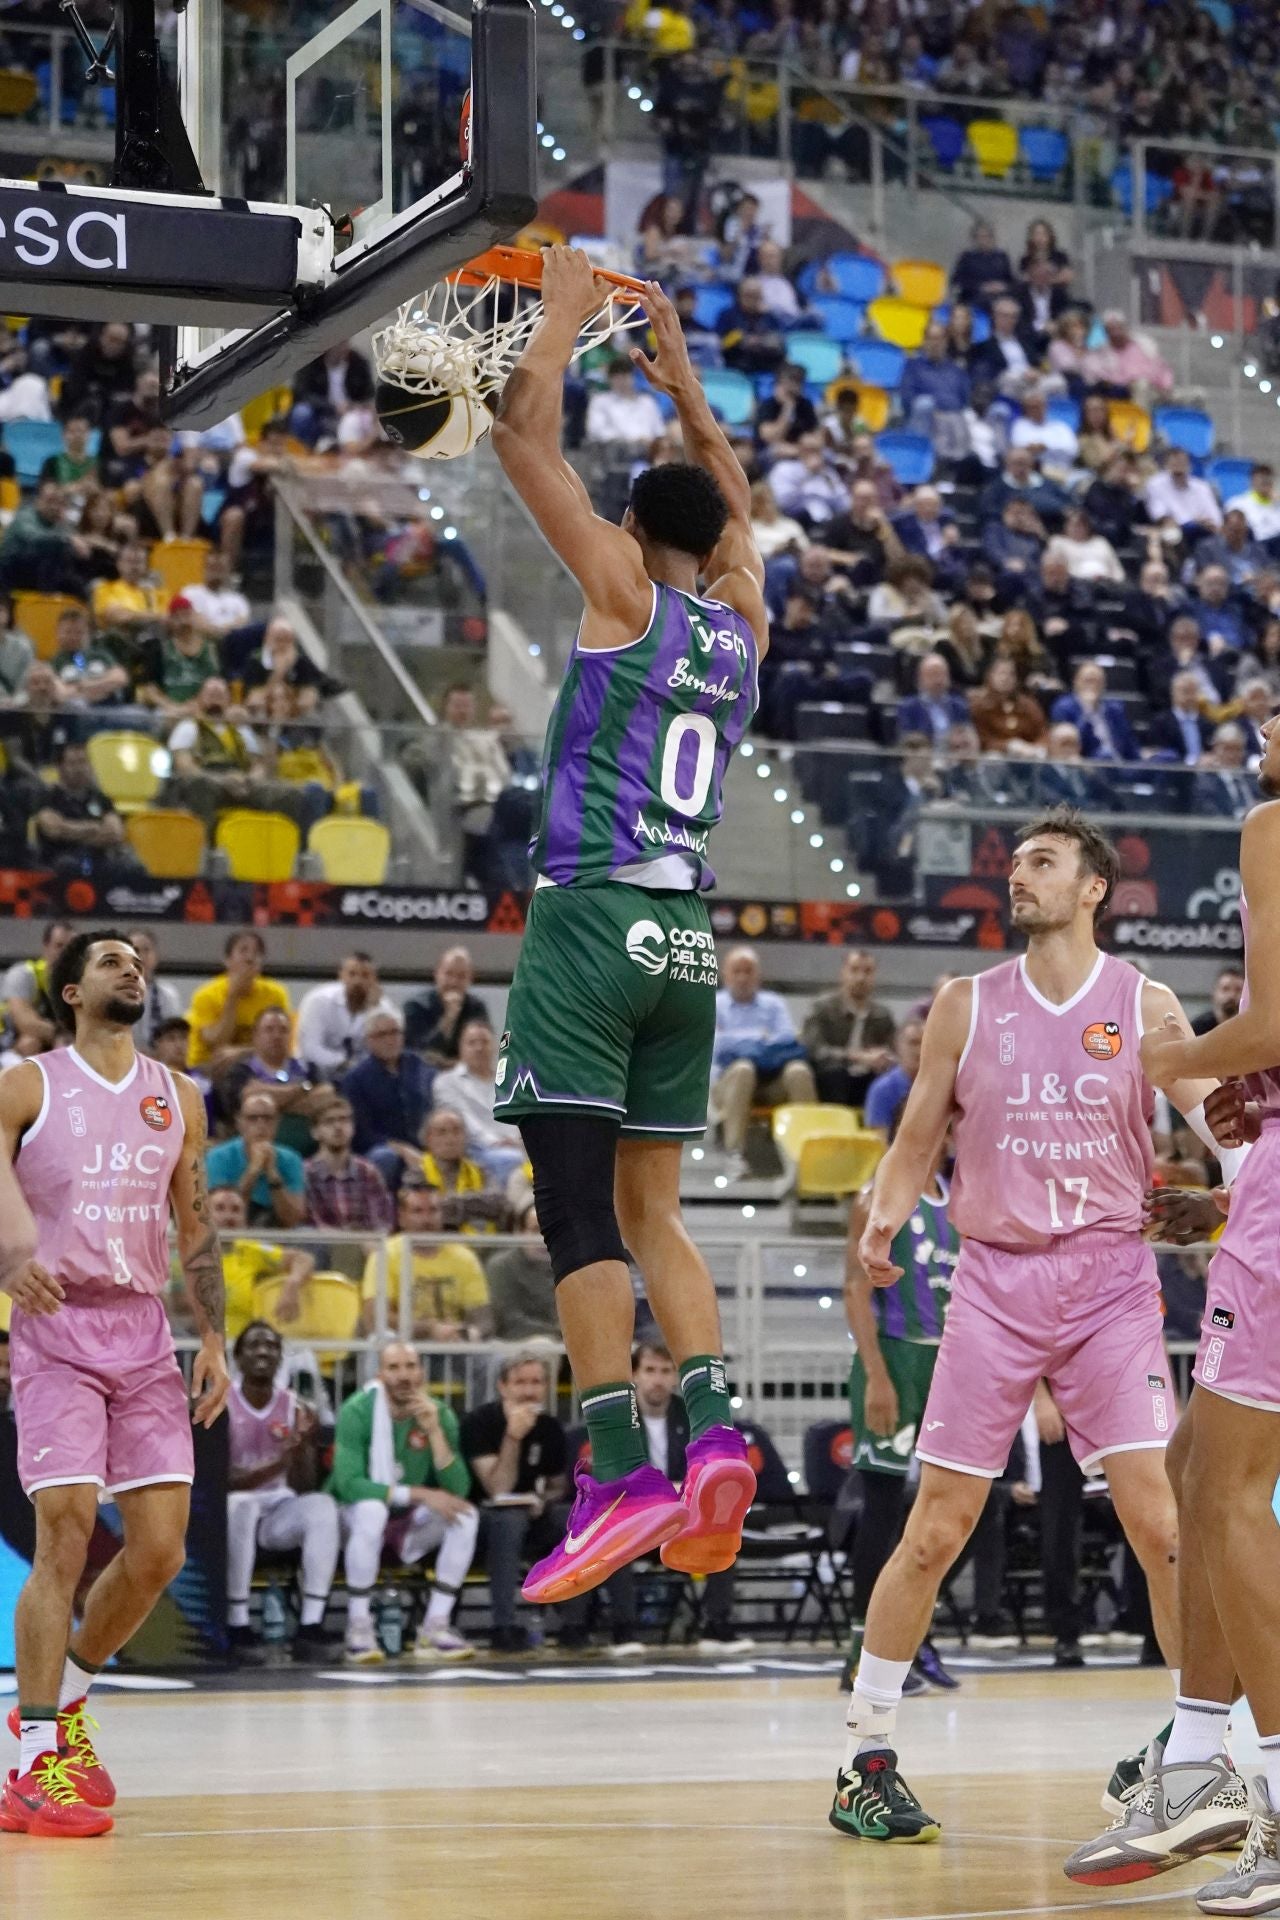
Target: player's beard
column 124, row 1013
column 1268, row 786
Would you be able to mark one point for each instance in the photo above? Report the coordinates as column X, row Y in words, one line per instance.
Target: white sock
column 38, row 1736
column 76, row 1682
column 1271, row 1760
column 439, row 1609
column 312, row 1610
column 873, row 1707
column 237, row 1613
column 359, row 1612
column 1198, row 1729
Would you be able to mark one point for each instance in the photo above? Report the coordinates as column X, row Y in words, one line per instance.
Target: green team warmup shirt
column 353, row 1442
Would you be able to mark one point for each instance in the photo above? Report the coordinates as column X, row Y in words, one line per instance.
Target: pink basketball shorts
column 1083, row 1314
column 99, row 1395
column 1239, row 1355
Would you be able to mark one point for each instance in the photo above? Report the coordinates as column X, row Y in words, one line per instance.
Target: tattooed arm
column 201, row 1259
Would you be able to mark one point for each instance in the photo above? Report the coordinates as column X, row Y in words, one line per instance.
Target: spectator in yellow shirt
column 130, row 600
column 223, row 1010
column 449, row 1298
column 245, row 1262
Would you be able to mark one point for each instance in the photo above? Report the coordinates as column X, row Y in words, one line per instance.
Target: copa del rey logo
column 41, row 233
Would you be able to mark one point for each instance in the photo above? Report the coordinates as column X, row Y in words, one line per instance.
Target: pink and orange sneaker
column 718, row 1489
column 47, row 1804
column 75, row 1749
column 608, row 1526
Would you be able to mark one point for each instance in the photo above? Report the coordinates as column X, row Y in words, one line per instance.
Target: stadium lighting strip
column 1250, row 372
column 637, row 94
column 547, row 140
column 799, row 814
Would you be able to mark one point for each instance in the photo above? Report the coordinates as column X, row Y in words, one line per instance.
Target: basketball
column 439, row 426
column 464, row 130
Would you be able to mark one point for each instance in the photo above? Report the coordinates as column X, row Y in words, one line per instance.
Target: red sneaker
column 46, row 1804
column 75, row 1749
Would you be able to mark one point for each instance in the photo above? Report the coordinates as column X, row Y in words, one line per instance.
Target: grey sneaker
column 361, row 1647
column 1253, row 1885
column 1175, row 1815
column 441, row 1643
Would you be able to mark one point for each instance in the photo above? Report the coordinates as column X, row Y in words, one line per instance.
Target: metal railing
column 65, row 103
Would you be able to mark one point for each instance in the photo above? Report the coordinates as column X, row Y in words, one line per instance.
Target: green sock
column 613, row 1427
column 704, row 1388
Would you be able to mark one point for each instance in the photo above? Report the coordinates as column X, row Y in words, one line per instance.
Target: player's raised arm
column 34, row 1290
column 735, row 571
column 604, row 560
column 904, row 1172
column 200, row 1259
column 1250, row 1042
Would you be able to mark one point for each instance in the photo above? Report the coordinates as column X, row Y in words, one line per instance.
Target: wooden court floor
column 590, row 1802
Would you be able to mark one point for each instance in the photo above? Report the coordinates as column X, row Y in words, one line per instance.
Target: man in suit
column 1062, row 779
column 1062, row 609
column 1009, row 357
column 1041, row 301
column 932, row 709
column 848, row 1035
column 1187, row 652
column 1224, row 786
column 1020, row 479
column 1183, row 734
column 927, row 529
column 1105, row 733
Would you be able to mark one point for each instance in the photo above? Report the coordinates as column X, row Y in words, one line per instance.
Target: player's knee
column 573, row 1159
column 936, row 1536
column 154, row 1562
column 62, row 1543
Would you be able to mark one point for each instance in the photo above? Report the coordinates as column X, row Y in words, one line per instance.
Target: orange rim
column 523, row 267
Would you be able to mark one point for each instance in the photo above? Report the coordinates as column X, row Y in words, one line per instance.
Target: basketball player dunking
column 1225, row 1457
column 103, row 1142
column 1038, row 1062
column 607, row 1058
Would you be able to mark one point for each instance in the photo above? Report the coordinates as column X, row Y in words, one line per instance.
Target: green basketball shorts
column 910, row 1364
column 612, row 1010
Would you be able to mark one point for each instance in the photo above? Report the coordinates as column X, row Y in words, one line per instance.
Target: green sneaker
column 1128, row 1776
column 874, row 1802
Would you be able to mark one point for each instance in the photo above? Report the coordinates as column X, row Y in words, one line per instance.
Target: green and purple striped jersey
column 915, row 1307
column 636, row 752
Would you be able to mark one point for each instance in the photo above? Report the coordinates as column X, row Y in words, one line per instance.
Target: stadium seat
column 18, row 93
column 829, row 1154
column 31, row 443
column 1156, row 191
column 1130, row 423
column 857, row 276
column 981, row 326
column 1065, row 409
column 37, row 615
column 994, row 145
column 1185, row 427
column 821, row 358
column 1045, row 152
column 169, row 842
column 178, row 564
column 947, row 138
column 879, row 363
column 351, row 852
column 259, row 846
column 328, row 1309
column 898, row 321
column 873, row 408
column 730, row 395
column 709, row 302
column 841, row 319
column 910, row 457
column 255, row 414
column 10, row 495
column 922, row 283
column 129, row 767
column 1229, row 477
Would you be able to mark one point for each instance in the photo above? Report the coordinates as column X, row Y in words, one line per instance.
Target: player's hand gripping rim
column 35, row 1289
column 210, row 1383
column 873, row 1252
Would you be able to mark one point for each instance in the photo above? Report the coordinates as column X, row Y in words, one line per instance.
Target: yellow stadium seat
column 873, row 408
column 899, row 321
column 828, row 1151
column 258, row 846
column 10, row 496
column 994, row 144
column 17, row 93
column 169, row 842
column 255, row 414
column 36, row 614
column 351, row 852
column 921, row 282
column 1131, row 423
column 178, row 564
column 329, row 1309
column 129, row 767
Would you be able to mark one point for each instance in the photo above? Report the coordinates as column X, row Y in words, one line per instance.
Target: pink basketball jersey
column 95, row 1169
column 258, row 1433
column 1052, row 1122
column 1263, row 1087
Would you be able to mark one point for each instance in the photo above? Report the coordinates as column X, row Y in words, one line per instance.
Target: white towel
column 383, row 1466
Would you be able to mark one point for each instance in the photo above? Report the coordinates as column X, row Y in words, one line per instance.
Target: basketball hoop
column 443, row 359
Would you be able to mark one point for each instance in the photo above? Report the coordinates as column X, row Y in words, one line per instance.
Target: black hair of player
column 68, row 969
column 679, row 506
column 254, row 1326
column 1097, row 855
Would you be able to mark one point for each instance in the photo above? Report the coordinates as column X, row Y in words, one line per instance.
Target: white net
column 464, row 341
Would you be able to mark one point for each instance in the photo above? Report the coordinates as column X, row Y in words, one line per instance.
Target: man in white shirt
column 623, row 416
column 217, row 605
column 331, row 1018
column 1053, row 442
column 468, row 1091
column 780, row 296
column 810, row 484
column 1260, row 506
column 1179, row 498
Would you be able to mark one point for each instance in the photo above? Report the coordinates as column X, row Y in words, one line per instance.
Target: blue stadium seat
column 821, row 358
column 1185, row 427
column 981, row 326
column 947, row 138
column 1156, row 191
column 879, row 363
column 857, row 276
column 910, row 457
column 709, row 302
column 1229, row 477
column 1044, row 152
column 841, row 319
column 31, row 442
column 1064, row 407
column 729, row 394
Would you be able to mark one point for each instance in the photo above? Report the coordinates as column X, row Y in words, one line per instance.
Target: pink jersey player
column 258, row 1435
